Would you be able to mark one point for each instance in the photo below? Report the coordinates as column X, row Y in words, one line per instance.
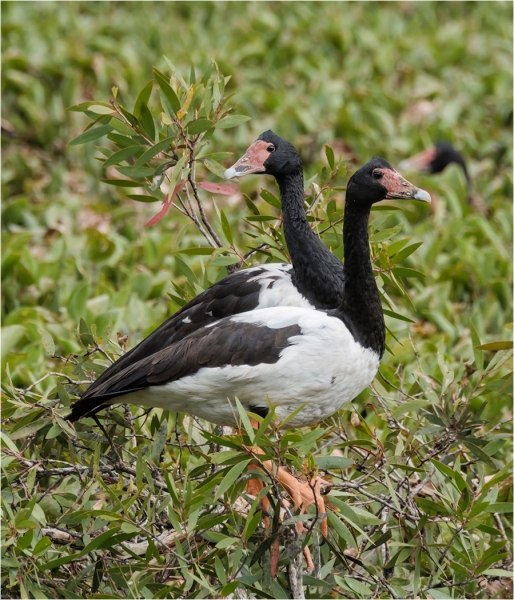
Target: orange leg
column 303, row 496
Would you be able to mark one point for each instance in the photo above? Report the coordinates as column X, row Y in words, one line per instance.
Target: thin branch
column 442, row 557
column 192, row 182
column 195, row 220
column 22, row 392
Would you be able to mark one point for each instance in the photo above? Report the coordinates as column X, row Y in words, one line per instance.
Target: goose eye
column 270, row 148
column 377, row 174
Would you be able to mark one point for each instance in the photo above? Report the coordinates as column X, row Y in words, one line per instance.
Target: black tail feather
column 87, row 407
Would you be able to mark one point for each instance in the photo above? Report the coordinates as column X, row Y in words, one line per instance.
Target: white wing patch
column 277, row 288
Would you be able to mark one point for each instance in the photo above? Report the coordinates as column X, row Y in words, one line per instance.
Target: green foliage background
column 423, row 505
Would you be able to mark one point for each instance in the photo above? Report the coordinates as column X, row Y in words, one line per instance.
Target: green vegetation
column 422, row 501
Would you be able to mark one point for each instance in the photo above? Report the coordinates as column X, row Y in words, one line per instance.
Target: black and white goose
column 275, row 284
column 289, row 354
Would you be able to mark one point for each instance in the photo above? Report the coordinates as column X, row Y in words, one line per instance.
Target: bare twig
column 52, row 374
column 192, row 182
column 434, row 573
column 295, row 576
column 507, row 548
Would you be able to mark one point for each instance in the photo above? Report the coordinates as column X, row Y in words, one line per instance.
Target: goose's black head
column 269, row 154
column 435, row 159
column 376, row 181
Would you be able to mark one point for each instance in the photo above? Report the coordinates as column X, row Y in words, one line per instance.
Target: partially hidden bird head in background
column 435, row 159
column 269, row 154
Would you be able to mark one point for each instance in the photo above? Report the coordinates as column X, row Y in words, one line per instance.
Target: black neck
column 318, row 274
column 360, row 309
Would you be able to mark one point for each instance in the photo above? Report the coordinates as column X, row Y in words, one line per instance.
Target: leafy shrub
column 153, row 504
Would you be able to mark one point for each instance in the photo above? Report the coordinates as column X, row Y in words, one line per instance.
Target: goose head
column 377, row 180
column 269, row 154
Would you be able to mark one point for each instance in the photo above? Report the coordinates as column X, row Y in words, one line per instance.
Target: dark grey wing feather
column 226, row 343
column 232, row 295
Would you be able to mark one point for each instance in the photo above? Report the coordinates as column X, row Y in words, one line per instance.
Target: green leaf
column 350, row 514
column 340, row 528
column 147, row 122
column 121, row 127
column 167, row 90
column 251, row 205
column 224, row 261
column 271, row 199
column 117, row 157
column 231, row 121
column 430, row 506
column 41, row 546
column 395, row 315
column 333, row 462
column 229, row 588
column 329, row 153
column 11, row 335
column 479, row 355
column 498, row 573
column 310, row 580
column 479, row 453
column 358, row 442
column 413, row 405
column 78, row 300
column 496, row 346
column 220, row 571
column 438, row 594
column 213, row 155
column 121, row 182
column 243, row 415
column 402, row 255
column 47, row 341
column 100, row 109
column 201, row 251
column 198, row 126
column 143, row 198
column 226, row 228
column 53, row 432
column 382, row 539
column 231, row 477
column 91, row 135
column 214, row 167
column 176, row 73
column 161, row 146
column 142, row 99
column 84, row 106
column 136, row 172
column 29, row 429
column 160, row 440
column 500, row 507
column 404, row 272
column 453, row 475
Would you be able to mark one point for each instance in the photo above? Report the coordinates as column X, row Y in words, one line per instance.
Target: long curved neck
column 318, row 274
column 360, row 309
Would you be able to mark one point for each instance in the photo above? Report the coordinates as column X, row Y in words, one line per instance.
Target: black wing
column 231, row 295
column 227, row 342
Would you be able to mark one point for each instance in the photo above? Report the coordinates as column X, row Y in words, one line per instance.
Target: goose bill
column 252, row 161
column 399, row 188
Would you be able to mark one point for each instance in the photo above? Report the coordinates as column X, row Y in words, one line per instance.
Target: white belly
column 323, row 367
